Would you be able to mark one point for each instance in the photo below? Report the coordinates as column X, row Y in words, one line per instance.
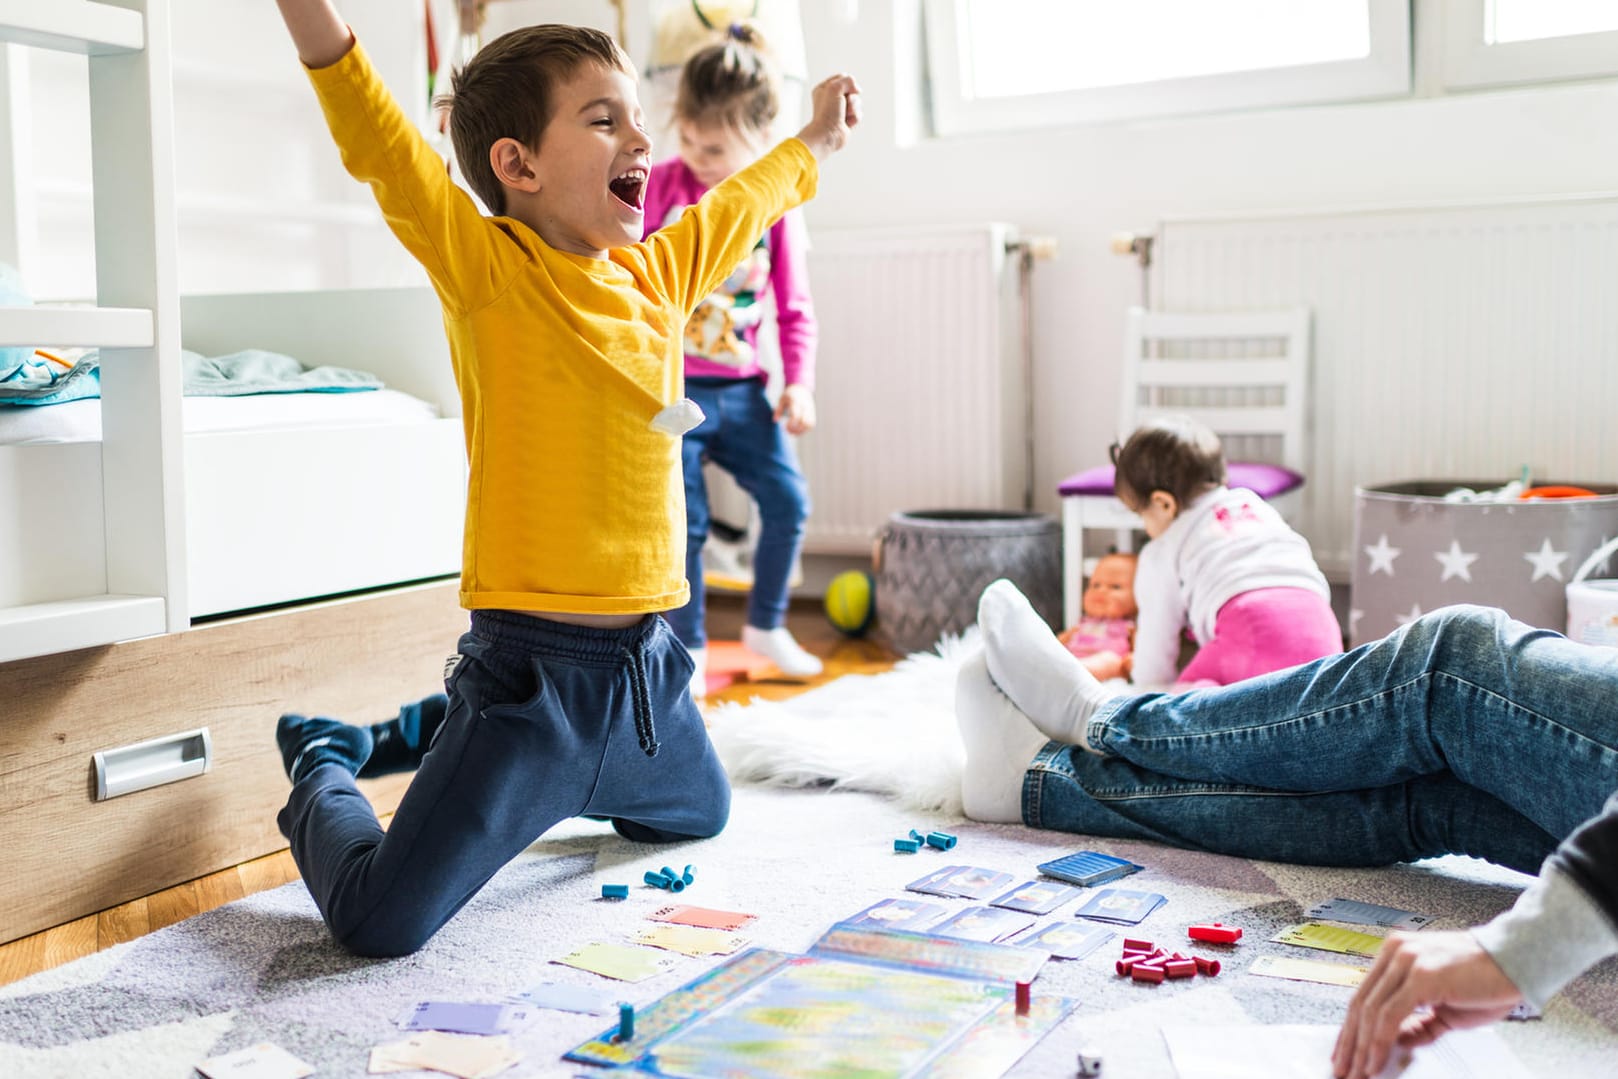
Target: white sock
column 1043, row 679
column 699, row 677
column 778, row 646
column 1000, row 745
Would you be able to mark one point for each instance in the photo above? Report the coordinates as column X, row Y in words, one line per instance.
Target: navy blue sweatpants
column 546, row 721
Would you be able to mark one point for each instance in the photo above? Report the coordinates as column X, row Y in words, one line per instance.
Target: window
column 1501, row 42
column 998, row 64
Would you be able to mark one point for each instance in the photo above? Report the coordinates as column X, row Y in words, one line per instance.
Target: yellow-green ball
column 850, row 601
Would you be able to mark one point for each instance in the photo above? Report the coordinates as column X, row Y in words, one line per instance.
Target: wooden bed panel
column 68, row 855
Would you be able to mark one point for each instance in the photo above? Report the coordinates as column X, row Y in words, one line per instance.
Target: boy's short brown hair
column 1174, row 454
column 731, row 83
column 507, row 91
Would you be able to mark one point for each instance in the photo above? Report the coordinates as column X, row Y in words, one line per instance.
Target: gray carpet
column 263, row 969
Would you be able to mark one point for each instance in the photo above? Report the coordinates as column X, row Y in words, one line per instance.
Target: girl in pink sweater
column 723, row 110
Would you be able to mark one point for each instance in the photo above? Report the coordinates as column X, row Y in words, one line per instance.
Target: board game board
column 878, row 1004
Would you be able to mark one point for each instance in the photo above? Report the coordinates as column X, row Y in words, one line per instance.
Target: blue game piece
column 688, row 876
column 626, row 1022
column 656, row 880
column 940, row 840
column 908, row 846
column 615, row 891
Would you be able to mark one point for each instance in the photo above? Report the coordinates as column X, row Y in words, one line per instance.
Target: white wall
column 1082, row 184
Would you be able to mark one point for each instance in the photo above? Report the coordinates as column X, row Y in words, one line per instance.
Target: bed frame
column 276, row 524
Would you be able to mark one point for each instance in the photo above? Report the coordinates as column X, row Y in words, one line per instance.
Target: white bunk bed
column 111, row 548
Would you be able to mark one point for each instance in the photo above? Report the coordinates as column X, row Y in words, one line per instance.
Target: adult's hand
column 1419, row 987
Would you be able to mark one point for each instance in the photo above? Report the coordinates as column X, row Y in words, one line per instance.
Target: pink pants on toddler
column 1267, row 629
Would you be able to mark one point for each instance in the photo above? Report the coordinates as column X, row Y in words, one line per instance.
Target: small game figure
column 1089, row 1062
column 1104, row 636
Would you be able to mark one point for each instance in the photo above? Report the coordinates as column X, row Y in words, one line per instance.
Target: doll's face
column 1111, row 591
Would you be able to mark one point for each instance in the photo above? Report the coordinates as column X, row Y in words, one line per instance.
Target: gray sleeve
column 1553, row 933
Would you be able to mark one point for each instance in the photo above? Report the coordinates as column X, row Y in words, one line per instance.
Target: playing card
column 934, row 881
column 1330, row 938
column 261, row 1061
column 702, row 916
column 1120, row 906
column 568, row 998
column 1036, row 897
column 898, row 914
column 467, row 1056
column 1357, row 913
column 983, row 923
column 1067, row 940
column 624, row 962
column 691, row 940
column 463, row 1018
column 1309, row 970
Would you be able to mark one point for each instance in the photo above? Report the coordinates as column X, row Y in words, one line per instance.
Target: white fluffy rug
column 892, row 733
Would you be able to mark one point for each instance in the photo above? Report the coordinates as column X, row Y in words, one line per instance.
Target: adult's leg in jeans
column 497, row 777
column 755, row 450
column 688, row 621
column 1070, row 790
column 1518, row 713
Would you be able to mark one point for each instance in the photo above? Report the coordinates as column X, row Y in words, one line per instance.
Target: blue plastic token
column 688, row 876
column 626, row 1022
column 615, row 891
column 656, row 880
column 908, row 846
column 940, row 840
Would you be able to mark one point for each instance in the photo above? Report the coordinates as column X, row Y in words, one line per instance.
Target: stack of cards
column 568, row 998
column 625, row 962
column 1120, row 906
column 1330, row 938
column 1064, row 940
column 1088, row 868
column 961, row 881
column 454, row 1054
column 691, row 940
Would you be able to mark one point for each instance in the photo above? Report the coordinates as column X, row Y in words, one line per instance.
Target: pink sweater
column 721, row 337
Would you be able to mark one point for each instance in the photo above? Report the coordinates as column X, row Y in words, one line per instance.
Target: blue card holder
column 1088, row 868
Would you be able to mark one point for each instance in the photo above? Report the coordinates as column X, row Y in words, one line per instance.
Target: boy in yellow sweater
column 570, row 695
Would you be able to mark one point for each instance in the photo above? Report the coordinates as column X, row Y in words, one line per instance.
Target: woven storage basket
column 932, row 565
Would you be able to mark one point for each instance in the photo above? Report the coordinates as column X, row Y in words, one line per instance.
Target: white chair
column 1243, row 374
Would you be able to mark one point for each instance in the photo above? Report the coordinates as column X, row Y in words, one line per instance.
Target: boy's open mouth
column 629, row 188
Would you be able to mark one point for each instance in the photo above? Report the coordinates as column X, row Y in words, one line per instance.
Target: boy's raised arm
column 318, row 32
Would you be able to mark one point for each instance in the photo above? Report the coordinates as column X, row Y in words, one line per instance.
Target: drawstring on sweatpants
column 642, row 699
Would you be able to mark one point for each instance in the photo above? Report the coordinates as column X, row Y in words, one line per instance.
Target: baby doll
column 1102, row 638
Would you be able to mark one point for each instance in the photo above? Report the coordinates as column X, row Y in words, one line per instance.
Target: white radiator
column 1456, row 342
column 920, row 383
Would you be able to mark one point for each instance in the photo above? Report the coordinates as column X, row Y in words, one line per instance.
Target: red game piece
column 1025, row 992
column 1217, row 933
column 1143, row 973
column 1131, row 945
column 1210, row 967
column 1180, row 968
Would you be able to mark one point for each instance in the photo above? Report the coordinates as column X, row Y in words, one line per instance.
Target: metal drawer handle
column 152, row 763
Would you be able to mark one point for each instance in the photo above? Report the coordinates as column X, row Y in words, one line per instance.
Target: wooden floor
column 65, row 943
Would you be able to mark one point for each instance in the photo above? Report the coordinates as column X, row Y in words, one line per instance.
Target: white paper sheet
column 1304, row 1052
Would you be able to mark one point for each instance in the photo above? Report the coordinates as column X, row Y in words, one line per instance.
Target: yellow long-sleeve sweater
column 574, row 503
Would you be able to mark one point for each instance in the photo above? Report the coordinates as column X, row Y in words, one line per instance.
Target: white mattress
column 80, row 421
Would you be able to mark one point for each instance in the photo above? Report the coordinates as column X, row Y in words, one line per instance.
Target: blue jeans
column 740, row 435
column 1464, row 732
column 546, row 721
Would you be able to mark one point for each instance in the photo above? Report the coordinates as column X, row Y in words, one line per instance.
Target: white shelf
column 77, row 26
column 241, row 211
column 98, row 327
column 39, row 629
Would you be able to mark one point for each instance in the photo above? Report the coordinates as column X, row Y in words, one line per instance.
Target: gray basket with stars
column 1415, row 552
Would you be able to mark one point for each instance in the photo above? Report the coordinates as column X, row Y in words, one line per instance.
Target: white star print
column 1413, row 614
column 1456, row 562
column 1547, row 561
column 1382, row 555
